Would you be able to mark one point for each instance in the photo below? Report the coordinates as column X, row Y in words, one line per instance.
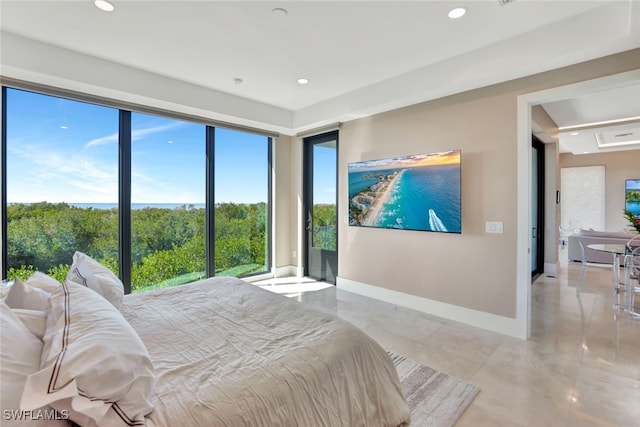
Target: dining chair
column 583, row 272
column 633, row 243
column 618, row 284
column 632, row 279
column 565, row 232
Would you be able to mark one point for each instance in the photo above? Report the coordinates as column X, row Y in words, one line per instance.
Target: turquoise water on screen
column 416, row 191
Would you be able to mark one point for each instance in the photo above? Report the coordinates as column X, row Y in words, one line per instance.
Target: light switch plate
column 493, row 227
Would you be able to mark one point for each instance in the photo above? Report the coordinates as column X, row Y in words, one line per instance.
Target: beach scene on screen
column 414, row 192
column 632, row 196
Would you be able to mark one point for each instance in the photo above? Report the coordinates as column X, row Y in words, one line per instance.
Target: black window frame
column 124, row 178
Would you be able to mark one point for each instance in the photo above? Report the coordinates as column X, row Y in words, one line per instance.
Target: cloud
column 109, row 139
column 61, row 170
column 136, row 134
column 58, row 176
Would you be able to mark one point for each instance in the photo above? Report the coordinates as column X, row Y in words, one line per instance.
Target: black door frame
column 308, row 144
column 538, row 269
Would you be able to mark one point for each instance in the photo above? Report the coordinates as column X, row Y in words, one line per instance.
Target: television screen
column 632, row 196
column 416, row 192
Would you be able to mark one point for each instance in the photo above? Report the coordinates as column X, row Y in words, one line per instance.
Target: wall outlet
column 493, row 227
column 294, row 254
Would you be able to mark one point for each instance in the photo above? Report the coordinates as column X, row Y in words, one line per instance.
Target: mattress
column 228, row 353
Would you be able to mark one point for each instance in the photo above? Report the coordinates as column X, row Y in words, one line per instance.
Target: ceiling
column 602, row 121
column 360, row 57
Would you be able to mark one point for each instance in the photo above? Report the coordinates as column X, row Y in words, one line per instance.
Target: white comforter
column 228, row 353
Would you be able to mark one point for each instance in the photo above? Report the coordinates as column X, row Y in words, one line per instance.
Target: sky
column 416, row 160
column 324, row 175
column 66, row 151
column 632, row 184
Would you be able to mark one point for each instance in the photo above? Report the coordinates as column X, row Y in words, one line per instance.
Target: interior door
column 320, row 204
column 537, row 207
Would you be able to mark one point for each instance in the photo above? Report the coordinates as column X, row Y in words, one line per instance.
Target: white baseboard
column 283, row 271
column 287, row 271
column 551, row 268
column 479, row 319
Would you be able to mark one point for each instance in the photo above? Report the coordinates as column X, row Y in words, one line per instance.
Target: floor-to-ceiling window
column 241, row 202
column 67, row 188
column 61, row 182
column 168, row 159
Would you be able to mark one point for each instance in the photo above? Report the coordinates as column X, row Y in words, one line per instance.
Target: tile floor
column 581, row 366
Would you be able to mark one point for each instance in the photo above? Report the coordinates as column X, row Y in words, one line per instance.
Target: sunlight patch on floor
column 292, row 287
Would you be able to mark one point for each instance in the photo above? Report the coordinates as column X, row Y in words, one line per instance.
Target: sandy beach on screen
column 374, row 210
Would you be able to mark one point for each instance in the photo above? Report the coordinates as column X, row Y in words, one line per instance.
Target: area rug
column 435, row 399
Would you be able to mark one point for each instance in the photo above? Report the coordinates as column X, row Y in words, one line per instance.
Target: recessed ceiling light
column 303, row 81
column 278, row 11
column 457, row 12
column 104, row 5
column 574, row 133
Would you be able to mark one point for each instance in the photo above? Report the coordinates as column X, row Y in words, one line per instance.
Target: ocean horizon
column 134, row 206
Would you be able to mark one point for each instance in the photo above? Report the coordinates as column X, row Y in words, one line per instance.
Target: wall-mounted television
column 632, row 196
column 415, row 192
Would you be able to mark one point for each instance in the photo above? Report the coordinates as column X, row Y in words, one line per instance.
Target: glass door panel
column 321, row 154
column 325, row 212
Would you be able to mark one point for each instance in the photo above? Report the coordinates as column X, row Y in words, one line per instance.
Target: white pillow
column 93, row 362
column 22, row 295
column 42, row 281
column 5, row 287
column 88, row 272
column 34, row 320
column 19, row 357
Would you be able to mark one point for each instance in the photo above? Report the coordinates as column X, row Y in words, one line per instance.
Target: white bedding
column 227, row 353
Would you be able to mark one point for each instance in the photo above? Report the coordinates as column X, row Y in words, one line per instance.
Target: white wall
column 282, row 218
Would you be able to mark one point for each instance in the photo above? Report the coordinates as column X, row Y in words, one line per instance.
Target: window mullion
column 3, row 190
column 124, row 205
column 210, row 203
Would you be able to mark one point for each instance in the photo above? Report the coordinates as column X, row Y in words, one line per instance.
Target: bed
column 261, row 360
column 218, row 352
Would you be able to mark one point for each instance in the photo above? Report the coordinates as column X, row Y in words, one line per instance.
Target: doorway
column 537, row 207
column 321, row 207
column 524, row 125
